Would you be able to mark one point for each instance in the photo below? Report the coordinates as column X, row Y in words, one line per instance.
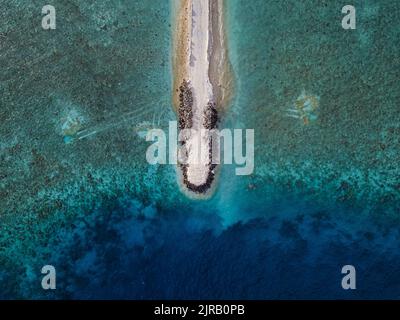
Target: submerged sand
column 202, row 87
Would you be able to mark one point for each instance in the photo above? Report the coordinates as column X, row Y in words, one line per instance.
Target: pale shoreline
column 201, row 61
column 220, row 68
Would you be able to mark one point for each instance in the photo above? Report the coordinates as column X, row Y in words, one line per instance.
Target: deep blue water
column 128, row 251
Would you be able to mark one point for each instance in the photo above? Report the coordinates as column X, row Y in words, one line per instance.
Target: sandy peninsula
column 202, row 88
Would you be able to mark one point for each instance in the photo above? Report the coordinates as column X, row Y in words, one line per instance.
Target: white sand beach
column 199, row 48
column 202, row 91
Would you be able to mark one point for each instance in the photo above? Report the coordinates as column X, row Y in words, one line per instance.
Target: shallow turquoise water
column 322, row 195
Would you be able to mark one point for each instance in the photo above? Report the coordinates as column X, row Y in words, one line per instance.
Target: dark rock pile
column 203, row 188
column 185, row 106
column 210, row 121
column 210, row 116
